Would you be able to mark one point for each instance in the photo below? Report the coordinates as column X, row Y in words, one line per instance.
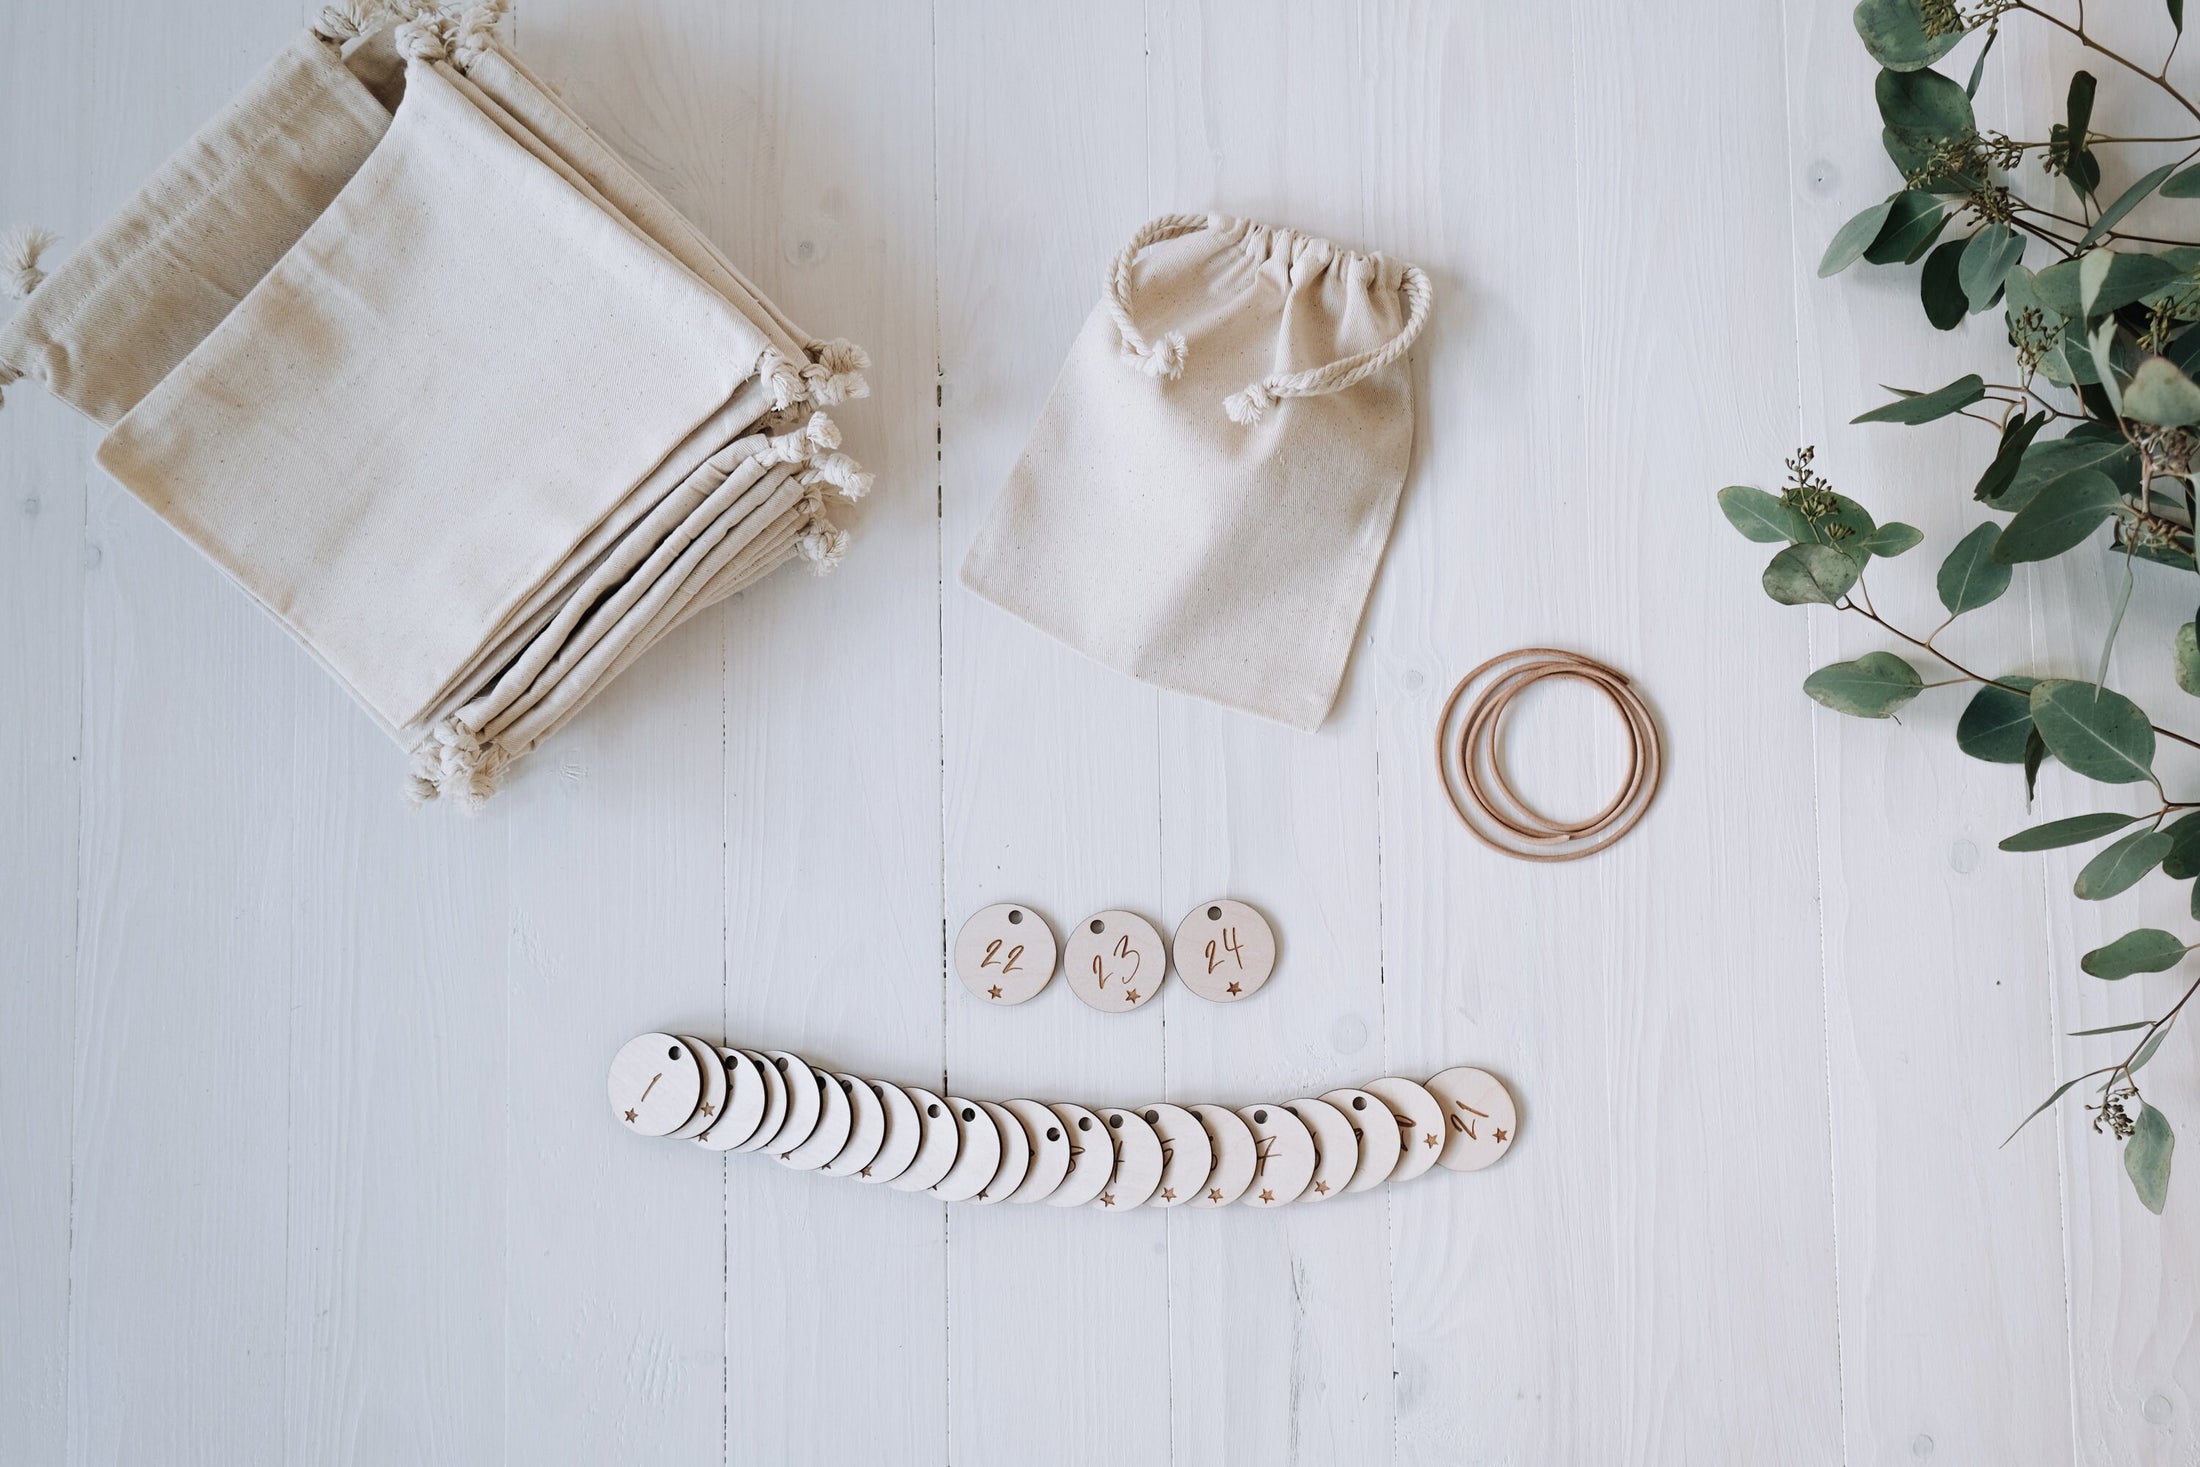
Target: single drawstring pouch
column 1208, row 492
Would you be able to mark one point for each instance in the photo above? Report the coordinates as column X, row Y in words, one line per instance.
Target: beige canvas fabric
column 1209, row 490
column 473, row 509
column 479, row 440
column 137, row 296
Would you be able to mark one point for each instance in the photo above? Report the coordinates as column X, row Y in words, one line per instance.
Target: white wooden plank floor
column 303, row 1156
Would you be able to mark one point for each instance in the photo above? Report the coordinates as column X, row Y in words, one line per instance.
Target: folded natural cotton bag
column 1208, row 492
column 480, row 430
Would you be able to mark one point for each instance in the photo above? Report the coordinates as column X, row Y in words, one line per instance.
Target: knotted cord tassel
column 836, row 374
column 1163, row 359
column 1251, row 405
column 20, row 248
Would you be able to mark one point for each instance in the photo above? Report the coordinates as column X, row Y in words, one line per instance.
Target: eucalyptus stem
column 1925, row 645
column 2091, row 43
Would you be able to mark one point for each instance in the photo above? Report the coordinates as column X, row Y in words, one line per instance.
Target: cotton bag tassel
column 20, row 248
column 835, row 374
column 453, row 760
column 822, row 543
column 477, row 30
column 816, row 447
column 788, row 387
column 1251, row 405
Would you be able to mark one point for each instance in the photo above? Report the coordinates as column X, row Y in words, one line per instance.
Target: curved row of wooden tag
column 911, row 1139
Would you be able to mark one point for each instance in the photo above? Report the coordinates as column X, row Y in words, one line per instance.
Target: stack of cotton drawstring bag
column 439, row 380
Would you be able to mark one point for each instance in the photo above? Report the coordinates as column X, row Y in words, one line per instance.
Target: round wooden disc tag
column 1091, row 1157
column 713, row 1071
column 1336, row 1148
column 1049, row 1151
column 1420, row 1124
column 1478, row 1118
column 835, row 1118
column 1005, row 953
column 805, row 1100
column 655, row 1085
column 1137, row 1161
column 744, row 1106
column 1235, row 1156
column 1283, row 1153
column 941, row 1142
column 1187, row 1156
column 978, row 1156
column 1225, row 950
column 775, row 1102
column 1377, row 1133
column 1015, row 1155
column 1115, row 961
column 904, row 1133
column 866, row 1128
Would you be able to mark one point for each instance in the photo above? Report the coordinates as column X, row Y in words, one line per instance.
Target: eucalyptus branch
column 1925, row 645
column 2092, row 43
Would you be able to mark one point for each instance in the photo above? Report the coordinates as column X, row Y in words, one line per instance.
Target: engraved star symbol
column 1214, row 1194
column 1266, row 1195
column 630, row 1118
column 984, row 1196
column 994, row 991
column 785, row 1154
column 864, row 1173
column 1131, row 997
column 1168, row 1194
column 1107, row 1199
column 1429, row 1139
column 709, row 1109
column 1322, row 1187
column 1499, row 1134
column 1235, row 989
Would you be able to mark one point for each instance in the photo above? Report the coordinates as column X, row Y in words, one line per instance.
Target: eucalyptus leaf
column 1971, row 577
column 1996, row 724
column 1924, row 107
column 2147, row 1050
column 1912, row 225
column 2071, row 830
column 2059, row 517
column 2112, row 1029
column 2016, row 437
column 1987, row 260
column 1940, row 288
column 1762, row 517
column 2183, row 861
column 2078, row 107
column 2038, row 1110
column 1876, row 685
column 2183, row 184
column 2120, row 865
column 2103, row 346
column 2095, row 731
column 1978, row 63
column 1806, row 575
column 1894, row 32
column 2046, row 464
column 2177, row 19
column 2162, row 395
column 2127, row 278
column 1846, row 529
column 1853, row 238
column 1891, row 539
column 2148, row 950
column 2147, row 1157
column 2126, row 201
column 2035, row 754
column 2188, row 659
column 1923, row 407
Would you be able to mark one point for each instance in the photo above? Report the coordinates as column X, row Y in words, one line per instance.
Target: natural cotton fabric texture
column 1208, row 492
column 495, row 421
column 137, row 296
